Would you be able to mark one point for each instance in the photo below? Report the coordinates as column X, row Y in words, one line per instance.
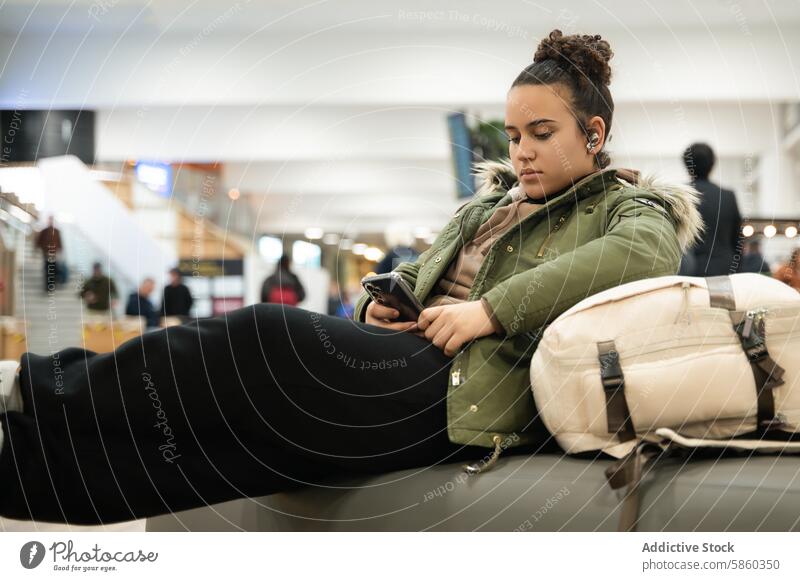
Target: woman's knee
column 268, row 311
column 277, row 314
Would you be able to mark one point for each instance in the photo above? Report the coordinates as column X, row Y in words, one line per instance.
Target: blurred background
column 213, row 138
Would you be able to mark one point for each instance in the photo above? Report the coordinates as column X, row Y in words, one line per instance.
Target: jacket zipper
column 457, row 375
column 484, row 465
column 556, row 228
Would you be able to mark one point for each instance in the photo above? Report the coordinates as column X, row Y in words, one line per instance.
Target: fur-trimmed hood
column 680, row 200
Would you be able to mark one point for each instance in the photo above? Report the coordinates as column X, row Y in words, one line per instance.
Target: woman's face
column 546, row 147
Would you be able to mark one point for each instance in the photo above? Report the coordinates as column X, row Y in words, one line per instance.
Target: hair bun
column 587, row 53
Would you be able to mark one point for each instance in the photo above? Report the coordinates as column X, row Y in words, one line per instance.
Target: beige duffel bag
column 673, row 361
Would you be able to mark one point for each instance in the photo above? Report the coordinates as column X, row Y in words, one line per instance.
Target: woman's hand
column 382, row 316
column 450, row 326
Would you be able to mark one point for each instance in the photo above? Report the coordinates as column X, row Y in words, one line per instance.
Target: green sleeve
column 640, row 242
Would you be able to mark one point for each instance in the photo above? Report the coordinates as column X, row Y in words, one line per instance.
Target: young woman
column 271, row 397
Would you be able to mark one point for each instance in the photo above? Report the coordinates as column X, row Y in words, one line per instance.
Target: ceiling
column 513, row 16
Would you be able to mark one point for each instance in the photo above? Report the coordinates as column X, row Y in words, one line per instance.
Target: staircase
column 53, row 318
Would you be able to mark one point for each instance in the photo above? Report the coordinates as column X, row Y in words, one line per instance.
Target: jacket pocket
column 618, row 218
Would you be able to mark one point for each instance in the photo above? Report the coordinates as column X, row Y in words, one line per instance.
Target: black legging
column 262, row 400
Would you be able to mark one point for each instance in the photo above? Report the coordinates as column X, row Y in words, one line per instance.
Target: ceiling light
column 373, row 253
column 314, row 233
column 422, row 232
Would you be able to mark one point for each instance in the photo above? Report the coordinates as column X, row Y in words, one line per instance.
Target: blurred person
column 334, row 298
column 176, row 300
column 688, row 264
column 283, row 286
column 716, row 251
column 347, row 307
column 789, row 272
column 270, row 397
column 400, row 240
column 339, row 302
column 753, row 260
column 139, row 304
column 48, row 240
column 99, row 293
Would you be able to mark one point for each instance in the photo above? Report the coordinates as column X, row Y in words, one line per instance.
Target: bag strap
column 627, row 472
column 672, row 439
column 613, row 380
column 767, row 373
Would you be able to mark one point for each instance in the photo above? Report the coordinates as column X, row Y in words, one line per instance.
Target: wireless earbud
column 593, row 141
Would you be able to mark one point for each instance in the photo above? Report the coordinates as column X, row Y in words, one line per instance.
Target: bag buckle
column 755, row 351
column 610, row 371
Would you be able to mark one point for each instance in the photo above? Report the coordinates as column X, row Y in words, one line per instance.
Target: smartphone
column 392, row 291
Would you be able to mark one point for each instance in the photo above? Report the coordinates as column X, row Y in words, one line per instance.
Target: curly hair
column 580, row 63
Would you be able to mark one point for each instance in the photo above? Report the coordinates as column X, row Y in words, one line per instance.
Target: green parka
column 602, row 232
